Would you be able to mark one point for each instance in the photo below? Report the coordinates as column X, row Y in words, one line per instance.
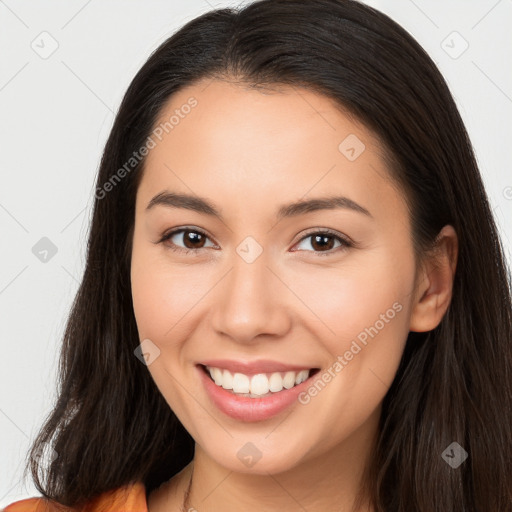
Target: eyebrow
column 202, row 205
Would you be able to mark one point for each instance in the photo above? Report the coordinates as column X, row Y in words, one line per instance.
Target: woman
column 295, row 296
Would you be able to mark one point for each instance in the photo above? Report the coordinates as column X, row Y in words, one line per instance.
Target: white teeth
column 227, row 380
column 259, row 384
column 301, row 376
column 240, row 383
column 275, row 382
column 289, row 380
column 216, row 374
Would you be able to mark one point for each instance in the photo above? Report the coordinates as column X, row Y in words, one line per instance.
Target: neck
column 330, row 481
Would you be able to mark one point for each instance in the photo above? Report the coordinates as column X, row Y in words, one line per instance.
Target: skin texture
column 248, row 152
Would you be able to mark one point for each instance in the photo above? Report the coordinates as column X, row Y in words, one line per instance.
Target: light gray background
column 56, row 113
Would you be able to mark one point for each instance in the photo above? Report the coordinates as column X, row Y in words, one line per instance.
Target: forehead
column 247, row 148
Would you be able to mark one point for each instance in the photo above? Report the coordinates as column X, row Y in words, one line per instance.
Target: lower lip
column 250, row 409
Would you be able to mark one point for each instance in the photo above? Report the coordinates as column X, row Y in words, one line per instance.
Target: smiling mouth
column 259, row 385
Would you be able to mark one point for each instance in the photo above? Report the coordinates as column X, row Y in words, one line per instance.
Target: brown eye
column 185, row 240
column 323, row 242
column 193, row 239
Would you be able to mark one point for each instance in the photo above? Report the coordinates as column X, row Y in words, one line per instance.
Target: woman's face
column 262, row 281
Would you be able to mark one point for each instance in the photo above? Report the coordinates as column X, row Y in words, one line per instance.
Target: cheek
column 165, row 297
column 149, row 293
column 364, row 313
column 364, row 309
column 162, row 296
column 362, row 292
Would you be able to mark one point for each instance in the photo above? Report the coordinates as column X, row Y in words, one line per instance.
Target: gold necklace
column 185, row 499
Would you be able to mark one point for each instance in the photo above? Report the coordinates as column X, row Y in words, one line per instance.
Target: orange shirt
column 130, row 498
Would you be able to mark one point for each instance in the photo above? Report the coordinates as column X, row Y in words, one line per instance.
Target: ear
column 434, row 282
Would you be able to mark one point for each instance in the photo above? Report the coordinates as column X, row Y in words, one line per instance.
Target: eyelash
column 345, row 243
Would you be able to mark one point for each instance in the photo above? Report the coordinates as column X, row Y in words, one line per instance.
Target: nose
column 251, row 302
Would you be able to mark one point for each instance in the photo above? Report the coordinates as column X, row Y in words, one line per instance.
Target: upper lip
column 254, row 367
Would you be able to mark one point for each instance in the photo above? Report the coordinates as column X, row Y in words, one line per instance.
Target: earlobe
column 435, row 283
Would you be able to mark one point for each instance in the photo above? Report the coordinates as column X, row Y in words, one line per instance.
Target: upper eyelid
column 173, row 232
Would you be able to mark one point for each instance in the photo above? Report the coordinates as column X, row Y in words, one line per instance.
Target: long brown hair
column 111, row 426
